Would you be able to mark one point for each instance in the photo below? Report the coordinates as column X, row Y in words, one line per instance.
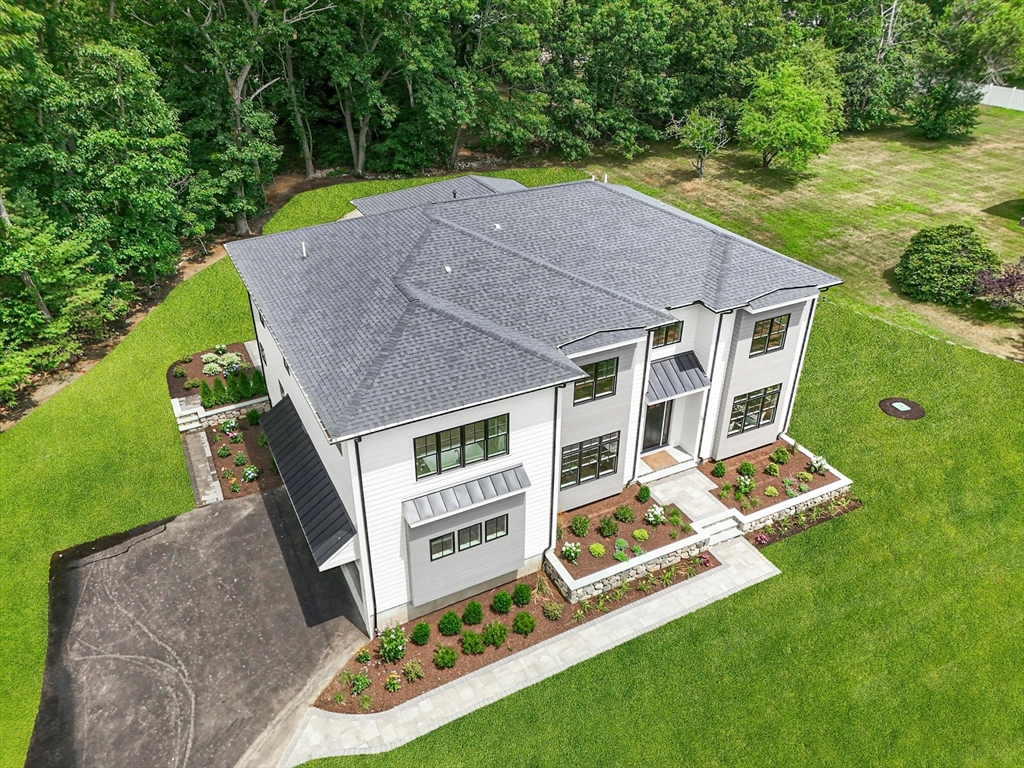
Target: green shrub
column 641, row 534
column 244, row 389
column 637, row 550
column 747, row 469
column 392, row 643
column 571, row 551
column 779, row 456
column 804, row 477
column 206, row 395
column 363, row 655
column 192, row 383
column 745, row 486
column 579, row 525
column 621, row 544
column 262, row 440
column 393, row 684
column 718, row 470
column 608, row 527
column 521, row 594
column 597, row 550
column 473, row 614
column 235, row 487
column 339, row 697
column 420, row 634
column 643, row 494
column 185, row 359
column 772, row 470
column 941, row 264
column 240, row 459
column 179, row 372
column 220, row 394
column 360, row 682
column 412, row 670
column 472, row 643
column 771, row 491
column 624, row 513
column 231, row 384
column 365, row 702
column 524, row 624
column 502, row 602
column 445, row 657
column 237, row 438
column 620, row 555
column 449, row 624
column 804, row 487
column 259, row 384
column 223, row 451
column 253, row 417
column 494, row 634
column 552, row 611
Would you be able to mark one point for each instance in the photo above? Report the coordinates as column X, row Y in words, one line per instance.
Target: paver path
column 178, row 645
column 688, row 491
column 329, row 733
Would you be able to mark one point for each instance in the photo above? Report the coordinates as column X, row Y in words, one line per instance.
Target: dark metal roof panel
column 458, row 497
column 322, row 516
column 674, row 376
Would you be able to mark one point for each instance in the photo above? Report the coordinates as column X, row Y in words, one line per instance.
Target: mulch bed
column 659, row 536
column 257, row 455
column 194, row 370
column 378, row 671
column 786, row 527
column 760, row 459
column 916, row 409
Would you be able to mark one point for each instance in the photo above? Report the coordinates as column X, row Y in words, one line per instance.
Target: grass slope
column 101, row 457
column 320, row 206
column 855, row 209
column 893, row 636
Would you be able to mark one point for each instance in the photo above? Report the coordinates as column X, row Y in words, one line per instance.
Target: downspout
column 555, row 466
column 799, row 370
column 643, row 409
column 366, row 533
column 711, row 373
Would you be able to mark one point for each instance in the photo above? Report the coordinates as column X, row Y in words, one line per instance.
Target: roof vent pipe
column 303, row 250
column 455, row 193
column 606, row 178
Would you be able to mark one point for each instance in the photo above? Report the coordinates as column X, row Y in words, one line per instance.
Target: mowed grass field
column 854, row 210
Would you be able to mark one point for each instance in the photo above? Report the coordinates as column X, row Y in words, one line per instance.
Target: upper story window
column 263, row 320
column 769, row 335
column 461, row 446
column 590, row 459
column 600, row 381
column 667, row 334
column 754, row 409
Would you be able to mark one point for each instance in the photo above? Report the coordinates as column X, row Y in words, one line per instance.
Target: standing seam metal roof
column 447, row 501
column 674, row 376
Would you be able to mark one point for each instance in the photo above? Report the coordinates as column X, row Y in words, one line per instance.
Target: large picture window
column 667, row 334
column 600, row 381
column 754, row 409
column 769, row 335
column 460, row 446
column 590, row 459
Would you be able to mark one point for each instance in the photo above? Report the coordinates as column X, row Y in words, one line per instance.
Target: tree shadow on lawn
column 745, row 167
column 1008, row 209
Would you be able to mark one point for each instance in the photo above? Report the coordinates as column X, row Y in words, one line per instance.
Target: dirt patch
column 230, row 474
column 794, row 478
column 192, row 366
column 377, row 671
column 676, row 526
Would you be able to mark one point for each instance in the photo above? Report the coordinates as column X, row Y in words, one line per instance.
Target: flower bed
column 367, row 683
column 242, row 458
column 794, row 477
column 631, row 531
column 784, row 527
column 222, row 370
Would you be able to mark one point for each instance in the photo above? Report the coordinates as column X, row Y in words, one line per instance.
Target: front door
column 656, row 426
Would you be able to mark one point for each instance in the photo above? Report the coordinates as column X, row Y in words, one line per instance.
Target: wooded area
column 132, row 126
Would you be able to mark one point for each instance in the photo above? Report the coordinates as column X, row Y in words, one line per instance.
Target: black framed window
column 263, row 320
column 460, row 446
column 769, row 335
column 470, row 536
column 600, row 381
column 442, row 546
column 667, row 334
column 590, row 459
column 495, row 528
column 754, row 409
column 263, row 354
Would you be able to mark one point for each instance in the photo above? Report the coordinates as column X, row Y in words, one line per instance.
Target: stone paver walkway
column 688, row 491
column 329, row 733
column 201, row 470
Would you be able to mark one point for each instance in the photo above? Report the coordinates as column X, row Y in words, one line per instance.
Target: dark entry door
column 656, row 426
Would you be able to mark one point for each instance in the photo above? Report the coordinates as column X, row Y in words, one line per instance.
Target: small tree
column 206, row 395
column 941, row 264
column 943, row 106
column 786, row 119
column 702, row 134
column 1002, row 287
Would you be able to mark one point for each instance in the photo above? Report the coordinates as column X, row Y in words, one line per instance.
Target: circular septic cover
column 901, row 408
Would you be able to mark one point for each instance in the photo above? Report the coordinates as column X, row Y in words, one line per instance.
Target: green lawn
column 856, row 207
column 894, row 635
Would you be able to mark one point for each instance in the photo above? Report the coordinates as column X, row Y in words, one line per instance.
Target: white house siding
column 745, row 374
column 720, row 330
column 389, row 478
column 614, row 413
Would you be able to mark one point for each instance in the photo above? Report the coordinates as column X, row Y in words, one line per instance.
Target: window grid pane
column 442, row 546
column 469, row 537
column 474, row 449
column 754, row 409
column 426, row 456
column 496, row 528
column 459, row 446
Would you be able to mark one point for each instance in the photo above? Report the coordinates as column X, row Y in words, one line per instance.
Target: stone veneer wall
column 235, row 413
column 770, row 517
column 684, row 552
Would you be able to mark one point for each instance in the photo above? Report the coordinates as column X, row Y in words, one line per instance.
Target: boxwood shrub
column 445, row 657
column 472, row 643
column 524, row 624
column 449, row 624
column 473, row 614
column 521, row 594
column 420, row 634
column 494, row 634
column 502, row 602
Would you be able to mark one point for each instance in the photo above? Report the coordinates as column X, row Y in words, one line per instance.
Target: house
column 467, row 358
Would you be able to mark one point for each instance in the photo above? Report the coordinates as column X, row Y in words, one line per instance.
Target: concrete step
column 725, row 534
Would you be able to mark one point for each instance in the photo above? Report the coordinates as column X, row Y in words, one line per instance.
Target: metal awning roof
column 448, row 501
column 675, row 376
column 324, row 520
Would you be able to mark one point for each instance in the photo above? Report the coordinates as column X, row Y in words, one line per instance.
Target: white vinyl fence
column 1001, row 96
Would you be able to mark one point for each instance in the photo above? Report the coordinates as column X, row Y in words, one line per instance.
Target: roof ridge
column 546, row 264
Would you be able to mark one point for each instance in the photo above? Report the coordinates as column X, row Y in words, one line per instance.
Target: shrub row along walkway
column 330, row 733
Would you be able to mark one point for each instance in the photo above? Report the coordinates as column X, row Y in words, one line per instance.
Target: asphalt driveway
column 178, row 645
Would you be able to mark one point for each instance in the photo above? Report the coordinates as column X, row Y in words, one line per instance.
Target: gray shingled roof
column 322, row 516
column 410, row 313
column 447, row 501
column 459, row 188
column 674, row 376
column 785, row 296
